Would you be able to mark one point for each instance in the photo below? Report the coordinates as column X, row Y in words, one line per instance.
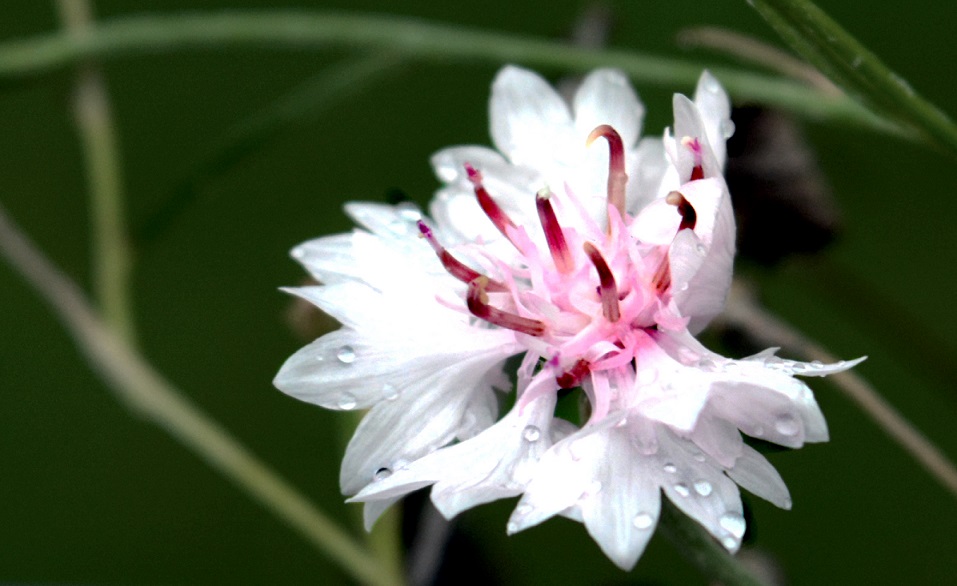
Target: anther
column 573, row 377
column 477, row 301
column 454, row 266
column 488, row 205
column 616, row 165
column 688, row 215
column 557, row 246
column 608, row 289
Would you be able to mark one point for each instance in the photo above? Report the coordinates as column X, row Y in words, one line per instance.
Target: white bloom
column 599, row 281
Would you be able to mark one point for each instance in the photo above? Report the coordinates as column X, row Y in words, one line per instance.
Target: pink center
column 590, row 304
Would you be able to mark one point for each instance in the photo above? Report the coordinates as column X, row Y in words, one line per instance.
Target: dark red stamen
column 688, row 215
column 488, row 205
column 608, row 289
column 477, row 301
column 573, row 377
column 662, row 278
column 616, row 165
column 454, row 266
column 553, row 233
column 697, row 173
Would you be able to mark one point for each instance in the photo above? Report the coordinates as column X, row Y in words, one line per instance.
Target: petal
column 606, row 97
column 715, row 108
column 688, row 124
column 754, row 473
column 530, row 122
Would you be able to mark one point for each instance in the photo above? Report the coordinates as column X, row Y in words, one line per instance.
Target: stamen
column 454, row 266
column 573, row 377
column 689, row 217
column 616, row 165
column 608, row 289
column 662, row 278
column 488, row 205
column 553, row 233
column 477, row 301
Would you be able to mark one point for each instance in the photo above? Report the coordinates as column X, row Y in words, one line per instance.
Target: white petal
column 715, row 107
column 373, row 510
column 754, row 473
column 606, row 97
column 530, row 121
column 688, row 124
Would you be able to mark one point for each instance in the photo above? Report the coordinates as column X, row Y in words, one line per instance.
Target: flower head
column 594, row 257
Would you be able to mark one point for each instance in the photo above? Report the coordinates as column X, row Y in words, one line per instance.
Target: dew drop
column 699, row 456
column 682, row 489
column 347, row 402
column 733, row 523
column 523, row 509
column 711, row 84
column 643, row 521
column 817, row 363
column 787, row 424
column 670, row 468
column 683, row 287
column 622, row 423
column 703, row 487
column 346, row 355
column 699, row 248
column 727, row 128
column 382, row 474
column 511, row 527
column 729, row 543
column 758, row 431
column 390, row 392
column 299, row 253
column 409, row 211
column 531, row 434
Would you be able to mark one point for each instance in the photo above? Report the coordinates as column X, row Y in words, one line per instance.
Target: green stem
column 140, row 386
column 130, row 36
column 856, row 69
column 110, row 243
column 701, row 549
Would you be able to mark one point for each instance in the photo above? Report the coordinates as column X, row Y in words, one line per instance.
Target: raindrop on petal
column 787, row 424
column 347, row 402
column 703, row 487
column 670, row 468
column 733, row 523
column 643, row 521
column 390, row 392
column 531, row 433
column 382, row 474
column 346, row 354
column 727, row 128
column 682, row 489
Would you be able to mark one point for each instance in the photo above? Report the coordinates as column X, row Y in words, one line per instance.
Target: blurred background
column 91, row 494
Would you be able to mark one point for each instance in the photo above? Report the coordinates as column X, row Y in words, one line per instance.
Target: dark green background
column 92, row 495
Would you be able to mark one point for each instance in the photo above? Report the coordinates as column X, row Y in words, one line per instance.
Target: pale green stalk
column 855, row 68
column 142, row 35
column 145, row 390
column 110, row 242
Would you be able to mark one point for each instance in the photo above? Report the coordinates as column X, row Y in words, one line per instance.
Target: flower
column 596, row 265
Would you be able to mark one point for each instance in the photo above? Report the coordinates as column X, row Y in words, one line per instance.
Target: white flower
column 594, row 264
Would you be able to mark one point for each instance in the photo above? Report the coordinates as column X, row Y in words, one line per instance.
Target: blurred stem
column 856, row 69
column 128, row 36
column 695, row 544
column 144, row 390
column 94, row 120
column 745, row 314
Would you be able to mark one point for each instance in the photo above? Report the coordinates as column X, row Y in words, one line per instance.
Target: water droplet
column 733, row 523
column 531, row 433
column 758, row 431
column 817, row 363
column 706, row 363
column 787, row 424
column 699, row 456
column 729, row 542
column 683, row 287
column 682, row 489
column 346, row 355
column 382, row 474
column 400, row 464
column 643, row 521
column 670, row 468
column 511, row 527
column 700, row 249
column 622, row 423
column 390, row 392
column 299, row 253
column 711, row 84
column 727, row 128
column 523, row 509
column 347, row 402
column 703, row 487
